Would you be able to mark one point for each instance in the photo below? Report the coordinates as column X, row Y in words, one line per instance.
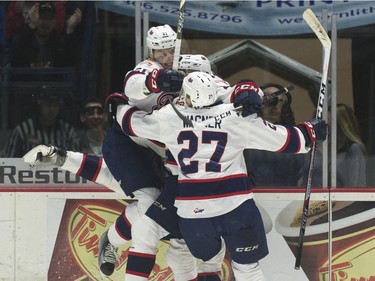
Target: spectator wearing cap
column 94, row 120
column 40, row 45
column 269, row 169
column 47, row 127
column 17, row 15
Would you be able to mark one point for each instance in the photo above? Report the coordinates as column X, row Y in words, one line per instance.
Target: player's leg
column 161, row 220
column 116, row 236
column 246, row 271
column 127, row 162
column 210, row 270
column 246, row 241
column 141, row 257
column 181, row 261
column 179, row 258
column 121, row 231
column 204, row 243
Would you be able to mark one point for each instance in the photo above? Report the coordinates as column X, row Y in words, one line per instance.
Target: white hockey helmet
column 200, row 88
column 161, row 37
column 194, row 63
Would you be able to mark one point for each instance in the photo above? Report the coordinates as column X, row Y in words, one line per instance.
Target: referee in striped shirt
column 46, row 128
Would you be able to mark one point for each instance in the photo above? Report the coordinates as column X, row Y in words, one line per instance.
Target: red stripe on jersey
column 126, row 122
column 214, row 196
column 100, row 162
column 213, row 180
column 82, row 164
column 286, row 143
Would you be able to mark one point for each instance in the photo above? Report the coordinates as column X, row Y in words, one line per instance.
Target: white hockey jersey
column 212, row 171
column 134, row 89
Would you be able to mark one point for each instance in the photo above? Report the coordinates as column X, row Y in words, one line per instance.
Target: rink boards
column 51, row 221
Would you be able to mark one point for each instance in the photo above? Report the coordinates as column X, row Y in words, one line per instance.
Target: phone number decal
column 149, row 6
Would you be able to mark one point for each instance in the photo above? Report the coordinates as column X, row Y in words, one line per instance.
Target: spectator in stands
column 350, row 153
column 17, row 15
column 94, row 120
column 269, row 169
column 39, row 44
column 46, row 127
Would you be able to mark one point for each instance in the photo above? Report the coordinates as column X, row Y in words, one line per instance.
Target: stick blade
column 315, row 25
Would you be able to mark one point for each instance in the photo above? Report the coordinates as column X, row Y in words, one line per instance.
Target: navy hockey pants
column 242, row 230
column 135, row 166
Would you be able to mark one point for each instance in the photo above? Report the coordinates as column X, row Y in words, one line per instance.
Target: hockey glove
column 313, row 130
column 43, row 155
column 246, row 95
column 111, row 103
column 164, row 80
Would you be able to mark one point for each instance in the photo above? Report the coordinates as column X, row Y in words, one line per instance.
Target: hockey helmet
column 194, row 63
column 200, row 88
column 161, row 37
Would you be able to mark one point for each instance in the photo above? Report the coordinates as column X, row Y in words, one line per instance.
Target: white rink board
column 31, row 213
column 29, row 250
column 29, row 224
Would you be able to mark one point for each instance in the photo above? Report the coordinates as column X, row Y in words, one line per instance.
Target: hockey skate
column 107, row 255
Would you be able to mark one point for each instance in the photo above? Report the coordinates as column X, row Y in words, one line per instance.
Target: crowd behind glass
column 60, row 108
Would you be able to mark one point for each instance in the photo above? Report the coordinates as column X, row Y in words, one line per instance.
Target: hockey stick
column 180, row 24
column 322, row 35
column 176, row 57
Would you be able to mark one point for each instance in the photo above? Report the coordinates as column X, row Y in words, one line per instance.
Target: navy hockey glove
column 246, row 94
column 313, row 130
column 164, row 80
column 111, row 103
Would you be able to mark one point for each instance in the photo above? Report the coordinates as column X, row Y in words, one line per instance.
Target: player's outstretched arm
column 74, row 162
column 45, row 155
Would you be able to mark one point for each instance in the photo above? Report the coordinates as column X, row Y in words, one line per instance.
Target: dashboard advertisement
column 51, row 232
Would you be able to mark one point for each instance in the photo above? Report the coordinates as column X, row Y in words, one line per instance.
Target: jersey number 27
column 208, row 137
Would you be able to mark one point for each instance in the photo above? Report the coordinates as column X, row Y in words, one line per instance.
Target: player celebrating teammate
column 214, row 198
column 184, row 267
column 150, row 85
column 142, row 255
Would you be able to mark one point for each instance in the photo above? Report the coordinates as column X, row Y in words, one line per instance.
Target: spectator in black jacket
column 40, row 45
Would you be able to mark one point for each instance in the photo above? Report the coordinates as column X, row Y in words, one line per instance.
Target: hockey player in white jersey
column 149, row 86
column 95, row 169
column 147, row 244
column 214, row 198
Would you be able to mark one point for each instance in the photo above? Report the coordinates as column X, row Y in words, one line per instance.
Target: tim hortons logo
column 353, row 263
column 86, row 225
